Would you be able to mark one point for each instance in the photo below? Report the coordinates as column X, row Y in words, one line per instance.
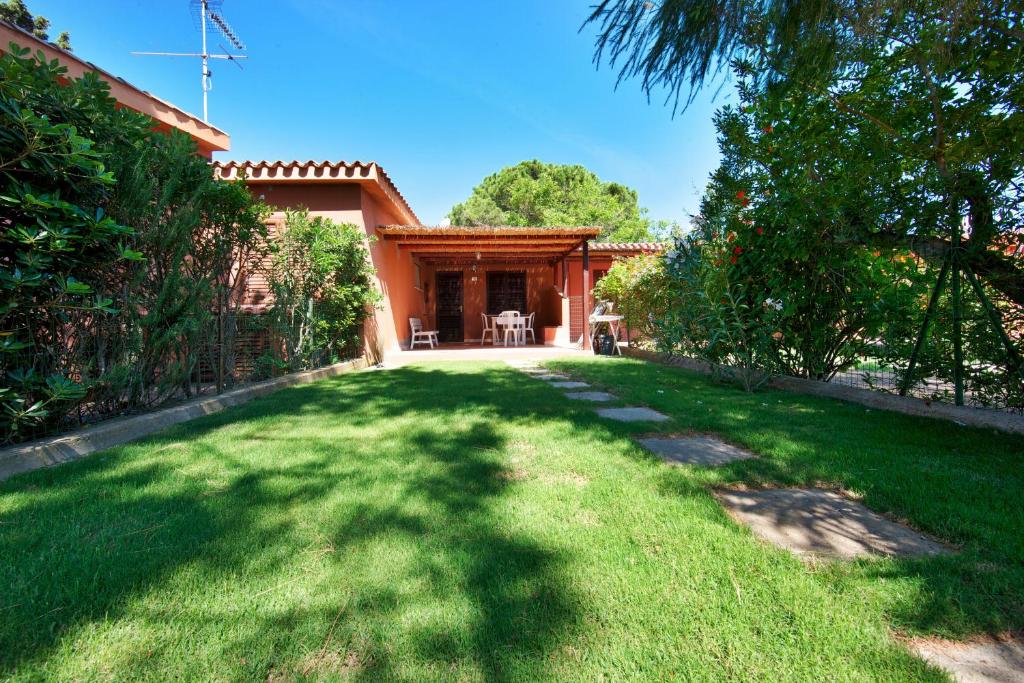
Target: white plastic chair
column 510, row 320
column 488, row 327
column 528, row 327
column 421, row 336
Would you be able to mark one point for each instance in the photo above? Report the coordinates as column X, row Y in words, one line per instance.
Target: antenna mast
column 201, row 11
column 206, row 68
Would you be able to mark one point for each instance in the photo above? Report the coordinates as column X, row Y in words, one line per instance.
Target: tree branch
column 999, row 272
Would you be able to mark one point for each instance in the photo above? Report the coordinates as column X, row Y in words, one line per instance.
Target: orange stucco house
column 447, row 276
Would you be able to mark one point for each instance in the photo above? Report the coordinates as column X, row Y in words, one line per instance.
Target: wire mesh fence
column 986, row 386
column 937, row 332
column 948, row 337
column 954, row 339
column 230, row 351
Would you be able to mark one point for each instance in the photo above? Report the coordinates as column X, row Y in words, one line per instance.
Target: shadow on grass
column 961, row 485
column 230, row 495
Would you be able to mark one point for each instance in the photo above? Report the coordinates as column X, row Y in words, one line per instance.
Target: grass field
column 466, row 522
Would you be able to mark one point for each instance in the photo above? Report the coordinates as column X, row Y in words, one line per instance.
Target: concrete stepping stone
column 999, row 661
column 694, row 450
column 632, row 414
column 597, row 396
column 818, row 522
column 552, row 377
column 569, row 385
column 524, row 365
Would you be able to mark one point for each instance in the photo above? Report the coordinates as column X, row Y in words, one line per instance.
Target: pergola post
column 586, row 294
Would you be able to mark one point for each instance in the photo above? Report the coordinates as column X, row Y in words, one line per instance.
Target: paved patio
column 474, row 351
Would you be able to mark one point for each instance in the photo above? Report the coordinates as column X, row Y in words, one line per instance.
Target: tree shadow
column 960, row 485
column 238, row 496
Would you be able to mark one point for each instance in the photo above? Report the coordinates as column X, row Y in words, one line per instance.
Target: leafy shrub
column 639, row 287
column 117, row 248
column 322, row 283
column 55, row 236
column 182, row 302
column 267, row 365
column 716, row 317
column 843, row 204
column 772, row 282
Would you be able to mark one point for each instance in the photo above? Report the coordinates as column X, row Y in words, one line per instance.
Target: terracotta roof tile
column 313, row 171
column 645, row 247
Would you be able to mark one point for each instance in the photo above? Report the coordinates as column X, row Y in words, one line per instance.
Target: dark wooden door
column 449, row 307
column 506, row 291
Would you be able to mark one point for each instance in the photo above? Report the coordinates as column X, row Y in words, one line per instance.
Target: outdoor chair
column 511, row 321
column 528, row 327
column 488, row 327
column 421, row 336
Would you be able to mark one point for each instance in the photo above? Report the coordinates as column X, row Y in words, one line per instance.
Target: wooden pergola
column 467, row 246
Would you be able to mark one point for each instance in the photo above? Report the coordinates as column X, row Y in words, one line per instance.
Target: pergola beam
column 564, row 254
column 453, row 258
column 489, row 249
column 483, row 244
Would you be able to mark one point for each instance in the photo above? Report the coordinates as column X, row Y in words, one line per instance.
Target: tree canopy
column 887, row 130
column 540, row 194
column 924, row 93
column 16, row 12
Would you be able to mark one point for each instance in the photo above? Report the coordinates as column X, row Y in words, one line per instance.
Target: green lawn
column 466, row 522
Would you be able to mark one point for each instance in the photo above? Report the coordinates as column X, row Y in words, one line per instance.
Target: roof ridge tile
column 299, row 169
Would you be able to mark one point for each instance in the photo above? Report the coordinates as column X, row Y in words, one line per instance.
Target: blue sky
column 440, row 93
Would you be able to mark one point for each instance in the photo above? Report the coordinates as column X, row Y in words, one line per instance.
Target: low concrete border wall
column 975, row 417
column 115, row 431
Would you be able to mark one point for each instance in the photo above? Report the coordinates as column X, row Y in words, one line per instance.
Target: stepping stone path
column 999, row 661
column 529, row 367
column 812, row 522
column 560, row 381
column 569, row 385
column 632, row 414
column 817, row 522
column 596, row 396
column 695, row 450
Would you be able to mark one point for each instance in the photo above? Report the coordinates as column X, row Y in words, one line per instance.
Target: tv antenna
column 203, row 10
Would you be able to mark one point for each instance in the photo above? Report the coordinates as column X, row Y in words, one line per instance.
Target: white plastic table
column 518, row 323
column 613, row 327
